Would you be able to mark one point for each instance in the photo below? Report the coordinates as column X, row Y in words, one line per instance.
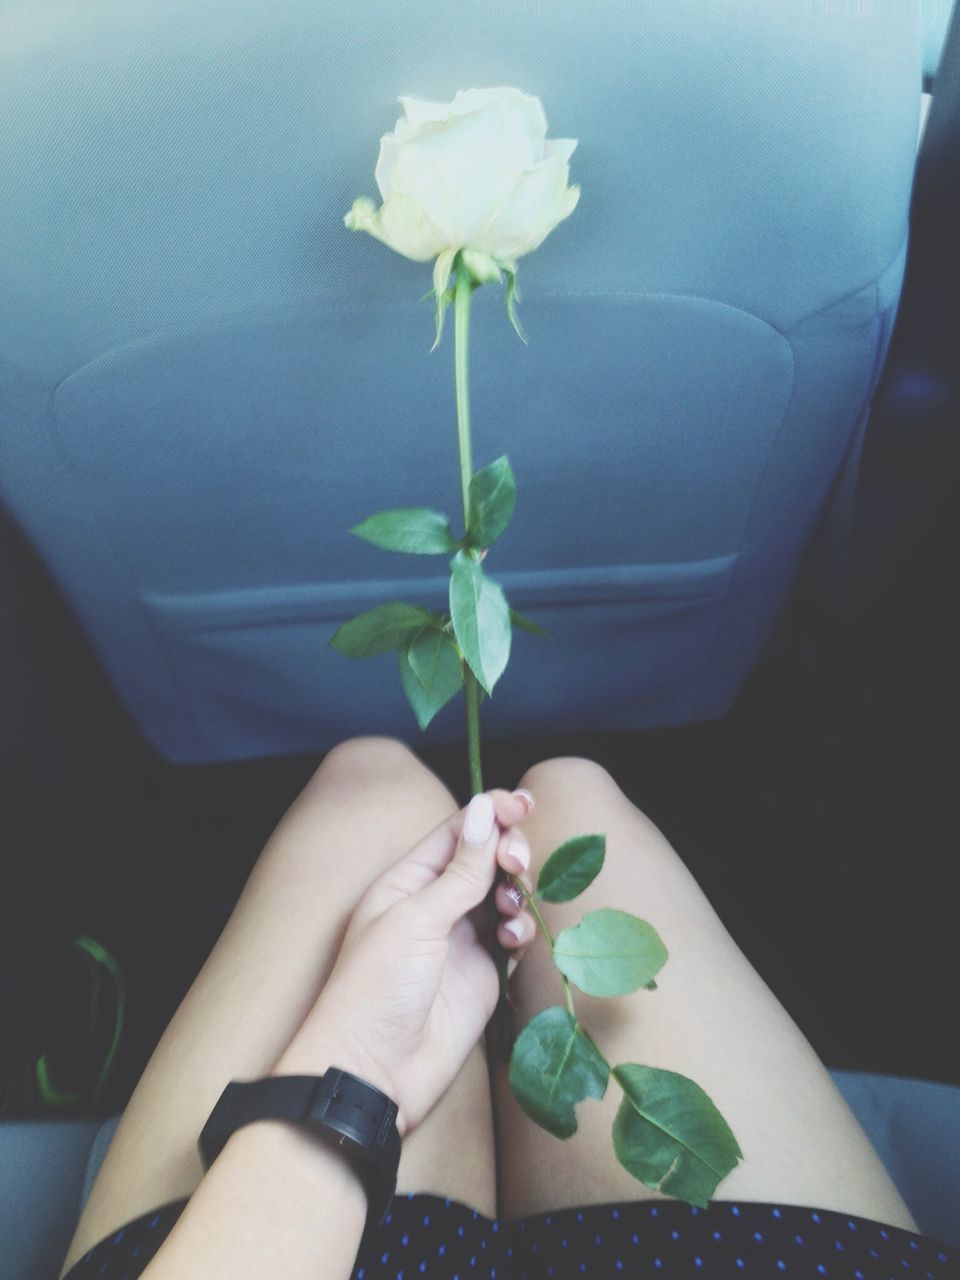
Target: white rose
column 476, row 174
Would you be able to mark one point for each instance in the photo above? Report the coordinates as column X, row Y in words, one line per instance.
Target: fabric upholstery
column 913, row 1125
column 98, row 1149
column 42, row 1168
column 206, row 379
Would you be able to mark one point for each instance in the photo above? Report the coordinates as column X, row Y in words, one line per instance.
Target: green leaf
column 432, row 655
column 609, row 953
column 552, row 1067
column 493, row 494
column 413, row 529
column 569, row 869
column 527, row 624
column 430, row 673
column 669, row 1135
column 388, row 626
column 481, row 619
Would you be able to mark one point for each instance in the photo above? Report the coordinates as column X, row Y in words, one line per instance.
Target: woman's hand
column 414, row 984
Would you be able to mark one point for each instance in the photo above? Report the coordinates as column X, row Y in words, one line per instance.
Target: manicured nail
column 520, row 850
column 523, row 794
column 478, row 822
column 515, row 896
column 514, row 927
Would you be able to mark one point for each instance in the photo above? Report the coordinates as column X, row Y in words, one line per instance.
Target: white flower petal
column 564, row 147
column 523, row 105
column 418, row 112
column 475, row 173
column 540, row 200
column 403, row 225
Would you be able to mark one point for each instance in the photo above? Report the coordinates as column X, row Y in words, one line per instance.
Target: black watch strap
column 358, row 1116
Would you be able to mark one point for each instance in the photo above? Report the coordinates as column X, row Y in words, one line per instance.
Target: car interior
column 733, row 431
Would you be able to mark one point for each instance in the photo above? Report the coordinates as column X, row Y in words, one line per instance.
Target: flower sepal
column 481, row 267
column 513, row 297
column 361, row 215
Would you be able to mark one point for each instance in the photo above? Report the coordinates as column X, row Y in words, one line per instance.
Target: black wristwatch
column 360, row 1117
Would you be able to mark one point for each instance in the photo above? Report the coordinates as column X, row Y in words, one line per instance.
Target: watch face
column 361, row 1113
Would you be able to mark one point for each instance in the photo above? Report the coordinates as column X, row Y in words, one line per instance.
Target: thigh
column 712, row 1018
column 368, row 803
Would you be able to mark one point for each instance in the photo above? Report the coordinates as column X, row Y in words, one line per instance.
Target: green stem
column 503, row 1030
column 534, row 910
column 471, row 693
column 461, row 315
column 568, row 996
column 545, row 930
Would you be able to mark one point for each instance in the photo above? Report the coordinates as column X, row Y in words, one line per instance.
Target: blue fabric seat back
column 206, row 379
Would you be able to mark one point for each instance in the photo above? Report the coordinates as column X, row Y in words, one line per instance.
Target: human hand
column 414, row 984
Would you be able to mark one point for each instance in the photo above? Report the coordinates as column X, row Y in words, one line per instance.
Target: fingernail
column 520, row 850
column 523, row 794
column 515, row 896
column 478, row 822
column 514, row 927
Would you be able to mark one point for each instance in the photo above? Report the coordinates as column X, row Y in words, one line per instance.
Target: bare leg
column 712, row 1018
column 368, row 803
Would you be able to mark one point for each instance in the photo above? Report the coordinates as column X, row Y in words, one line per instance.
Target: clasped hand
column 414, row 983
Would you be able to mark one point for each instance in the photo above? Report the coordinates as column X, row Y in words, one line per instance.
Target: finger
column 513, row 935
column 428, row 858
column 513, row 852
column 420, row 865
column 434, row 851
column 512, row 807
column 470, row 873
column 509, row 900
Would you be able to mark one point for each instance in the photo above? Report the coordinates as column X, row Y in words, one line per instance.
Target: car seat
column 206, row 380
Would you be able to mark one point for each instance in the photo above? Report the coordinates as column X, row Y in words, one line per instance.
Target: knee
column 569, row 776
column 363, row 777
column 367, row 765
column 575, row 795
column 364, row 760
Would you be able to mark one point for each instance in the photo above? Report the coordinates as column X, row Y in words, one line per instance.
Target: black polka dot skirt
column 426, row 1237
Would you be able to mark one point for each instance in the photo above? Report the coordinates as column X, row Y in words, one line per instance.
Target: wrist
column 313, row 1053
column 260, row 1195
column 290, row 1150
